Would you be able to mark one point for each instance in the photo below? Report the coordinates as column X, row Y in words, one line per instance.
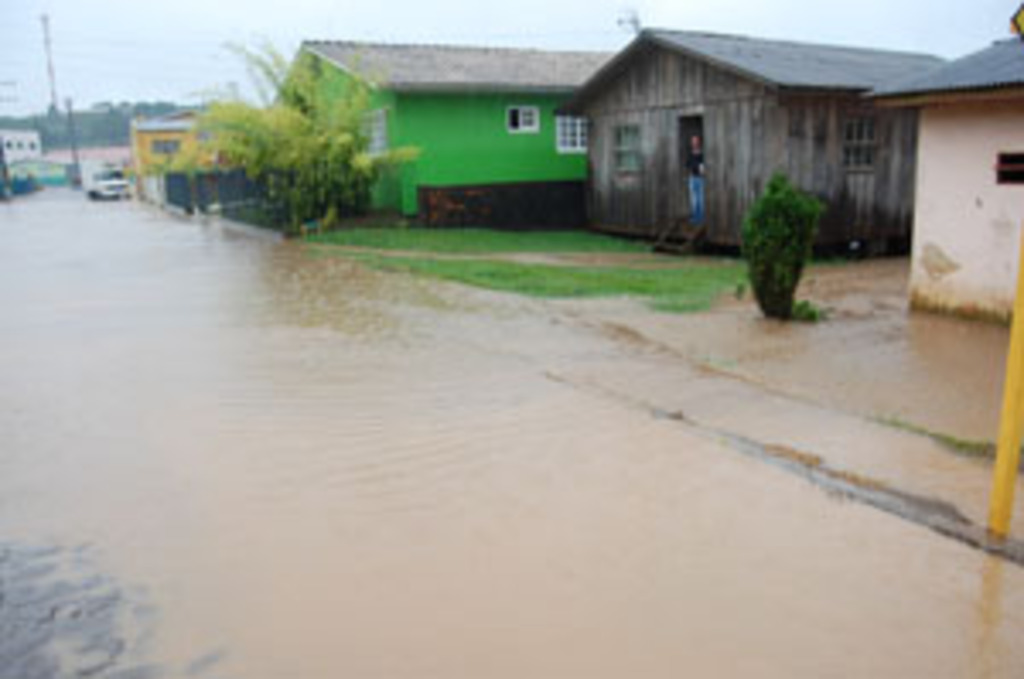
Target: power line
column 181, row 44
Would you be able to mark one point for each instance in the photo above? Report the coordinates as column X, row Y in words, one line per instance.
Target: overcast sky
column 115, row 50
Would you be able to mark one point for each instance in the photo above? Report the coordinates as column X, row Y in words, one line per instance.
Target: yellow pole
column 1004, row 480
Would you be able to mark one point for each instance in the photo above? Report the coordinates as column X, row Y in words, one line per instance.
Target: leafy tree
column 778, row 238
column 306, row 143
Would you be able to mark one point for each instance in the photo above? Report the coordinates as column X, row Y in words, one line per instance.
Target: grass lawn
column 477, row 241
column 687, row 288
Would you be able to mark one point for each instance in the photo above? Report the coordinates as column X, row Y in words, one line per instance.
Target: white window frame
column 628, row 139
column 859, row 143
column 533, row 128
column 571, row 134
column 377, row 131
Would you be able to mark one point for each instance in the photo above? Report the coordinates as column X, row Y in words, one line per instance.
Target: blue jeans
column 696, row 199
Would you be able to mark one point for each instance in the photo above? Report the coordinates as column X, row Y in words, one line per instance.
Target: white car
column 107, row 185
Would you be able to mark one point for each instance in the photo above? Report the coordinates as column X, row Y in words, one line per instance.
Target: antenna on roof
column 629, row 20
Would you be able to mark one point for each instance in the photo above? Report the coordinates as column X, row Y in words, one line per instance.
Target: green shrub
column 808, row 312
column 307, row 143
column 778, row 236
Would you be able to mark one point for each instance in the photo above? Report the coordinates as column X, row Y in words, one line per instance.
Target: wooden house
column 760, row 106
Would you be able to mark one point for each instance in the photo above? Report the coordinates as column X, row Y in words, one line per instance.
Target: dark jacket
column 695, row 163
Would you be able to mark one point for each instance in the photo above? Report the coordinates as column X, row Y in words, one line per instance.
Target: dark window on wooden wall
column 859, row 144
column 627, row 148
column 1010, row 168
column 796, row 122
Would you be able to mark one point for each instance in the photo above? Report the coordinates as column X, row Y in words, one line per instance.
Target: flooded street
column 872, row 358
column 224, row 457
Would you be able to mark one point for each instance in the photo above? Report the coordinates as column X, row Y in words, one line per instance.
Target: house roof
column 180, row 121
column 446, row 68
column 998, row 66
column 110, row 154
column 19, row 133
column 798, row 64
column 777, row 63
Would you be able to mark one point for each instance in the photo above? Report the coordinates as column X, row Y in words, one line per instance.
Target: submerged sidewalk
column 891, row 398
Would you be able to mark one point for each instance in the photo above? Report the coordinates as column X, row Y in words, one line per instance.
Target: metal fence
column 178, row 191
column 228, row 192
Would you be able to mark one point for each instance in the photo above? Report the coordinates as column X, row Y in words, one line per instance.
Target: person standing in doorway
column 695, row 165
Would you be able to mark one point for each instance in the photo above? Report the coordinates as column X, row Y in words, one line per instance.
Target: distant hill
column 105, row 124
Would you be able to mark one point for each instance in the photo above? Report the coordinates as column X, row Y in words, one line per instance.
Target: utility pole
column 5, row 173
column 54, row 102
column 76, row 171
column 1011, row 425
column 5, row 177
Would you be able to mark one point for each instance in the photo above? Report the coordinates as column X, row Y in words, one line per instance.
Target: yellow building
column 158, row 142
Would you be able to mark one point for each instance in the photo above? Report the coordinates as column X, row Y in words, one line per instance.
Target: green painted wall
column 387, row 192
column 463, row 141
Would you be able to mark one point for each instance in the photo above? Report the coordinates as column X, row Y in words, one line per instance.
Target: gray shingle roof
column 1000, row 65
column 795, row 64
column 451, row 68
column 181, row 121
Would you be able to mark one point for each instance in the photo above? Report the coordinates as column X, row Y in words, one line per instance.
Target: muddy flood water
column 223, row 457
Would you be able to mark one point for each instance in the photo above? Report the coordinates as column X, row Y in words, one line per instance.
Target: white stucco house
column 969, row 203
column 20, row 145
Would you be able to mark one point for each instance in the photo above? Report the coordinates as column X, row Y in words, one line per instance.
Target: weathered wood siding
column 750, row 131
column 874, row 205
column 657, row 89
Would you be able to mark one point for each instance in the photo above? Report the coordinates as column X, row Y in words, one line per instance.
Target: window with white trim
column 859, row 144
column 571, row 134
column 627, row 148
column 377, row 131
column 519, row 119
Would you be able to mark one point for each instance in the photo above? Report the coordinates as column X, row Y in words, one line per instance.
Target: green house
column 492, row 150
